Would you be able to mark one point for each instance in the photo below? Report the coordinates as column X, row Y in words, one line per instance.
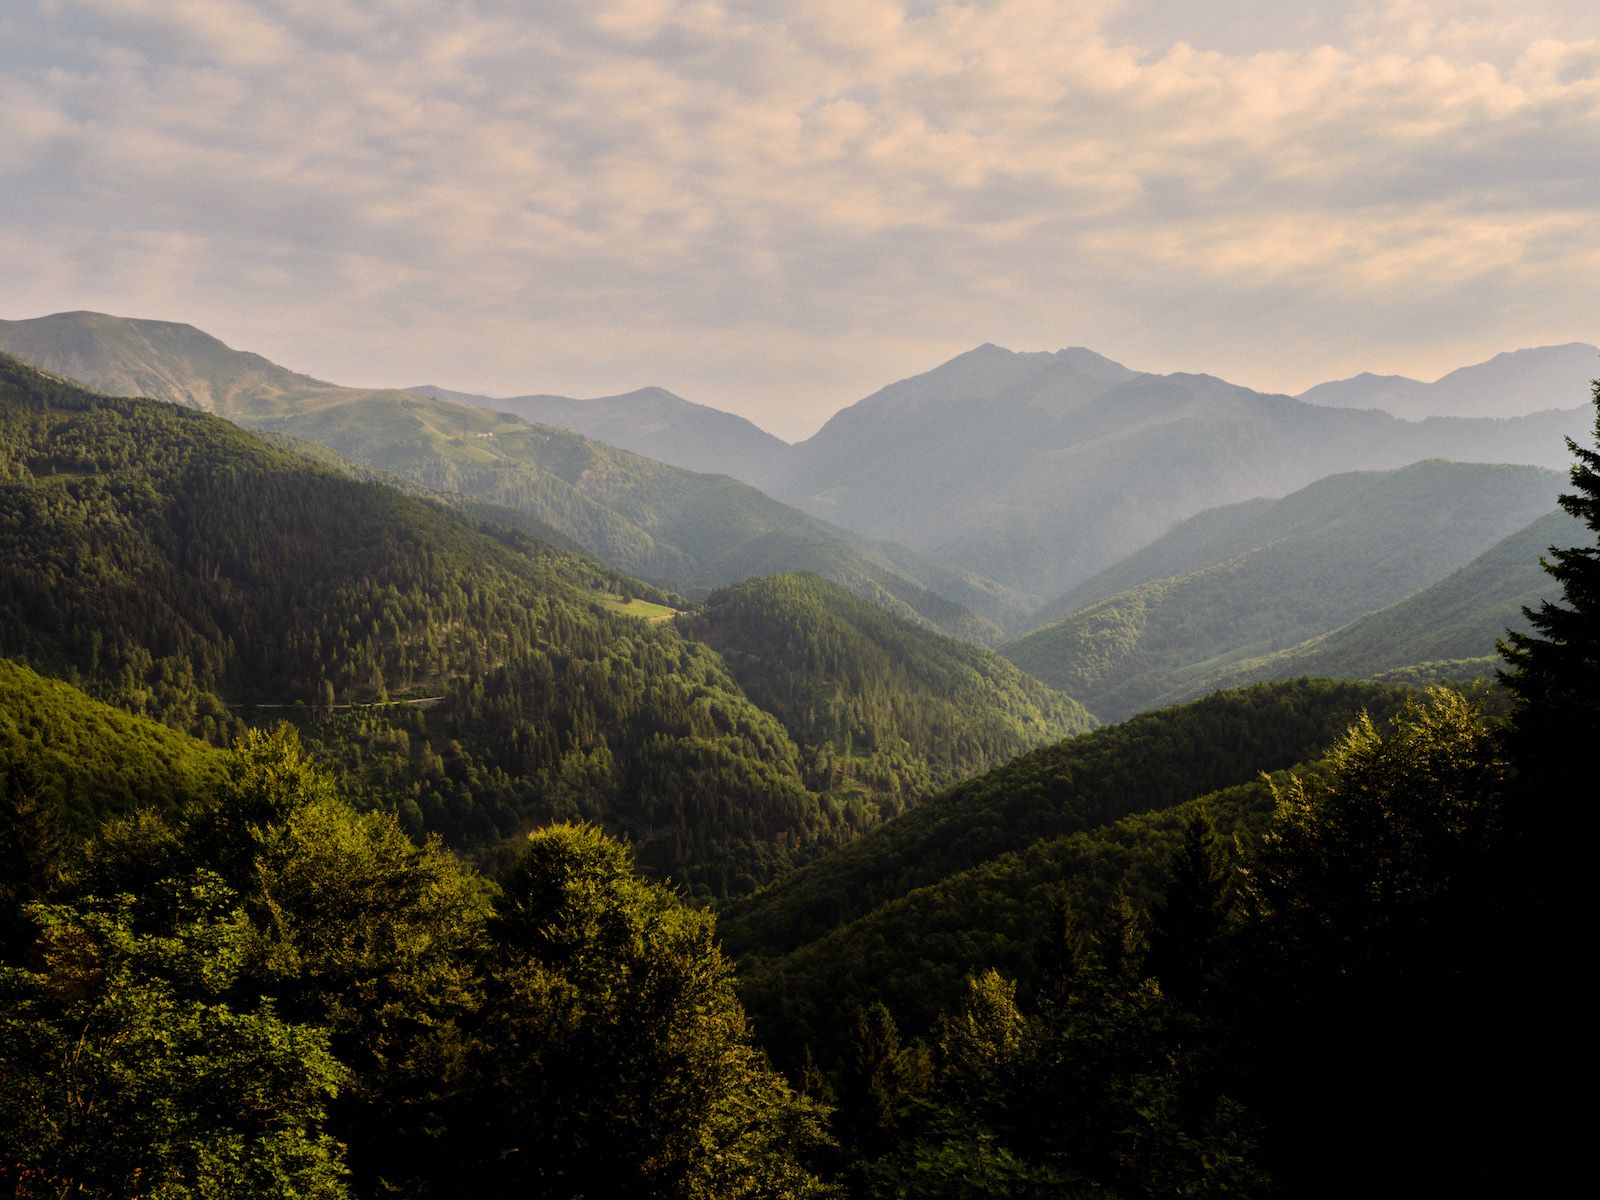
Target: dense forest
column 468, row 676
column 886, row 709
column 1299, row 939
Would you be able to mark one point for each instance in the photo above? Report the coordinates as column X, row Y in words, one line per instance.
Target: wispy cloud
column 774, row 207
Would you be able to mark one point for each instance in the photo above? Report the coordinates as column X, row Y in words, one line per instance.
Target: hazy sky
column 776, row 208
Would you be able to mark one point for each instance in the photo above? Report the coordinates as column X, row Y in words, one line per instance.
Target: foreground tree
column 1370, row 993
column 1551, row 672
column 130, row 1066
column 614, row 1059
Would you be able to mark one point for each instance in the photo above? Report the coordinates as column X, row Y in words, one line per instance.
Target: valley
column 438, row 667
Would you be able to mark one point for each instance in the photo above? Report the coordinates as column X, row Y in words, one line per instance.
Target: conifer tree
column 1552, row 671
column 1193, row 914
column 1552, row 675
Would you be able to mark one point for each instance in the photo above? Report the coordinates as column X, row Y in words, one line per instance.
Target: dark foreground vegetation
column 1354, row 977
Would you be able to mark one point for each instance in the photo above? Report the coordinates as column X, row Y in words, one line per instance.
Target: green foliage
column 1551, row 669
column 1194, row 913
column 132, row 1067
column 613, row 1058
column 1104, row 1092
column 89, row 761
column 879, row 707
column 1150, row 762
column 182, row 569
column 1374, row 984
column 1371, row 851
column 272, row 994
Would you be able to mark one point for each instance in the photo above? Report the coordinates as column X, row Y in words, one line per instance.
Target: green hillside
column 1262, row 579
column 1447, row 630
column 472, row 679
column 85, row 761
column 882, row 709
column 1150, row 762
column 685, row 530
column 915, row 952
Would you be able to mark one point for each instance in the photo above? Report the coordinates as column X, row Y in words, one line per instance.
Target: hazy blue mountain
column 1513, row 384
column 688, row 530
column 655, row 423
column 1445, row 631
column 1039, row 470
column 1270, row 576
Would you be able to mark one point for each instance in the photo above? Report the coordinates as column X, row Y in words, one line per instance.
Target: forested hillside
column 657, row 424
column 1446, row 631
column 885, row 711
column 649, row 520
column 474, row 680
column 1259, row 578
column 1150, row 762
column 85, row 762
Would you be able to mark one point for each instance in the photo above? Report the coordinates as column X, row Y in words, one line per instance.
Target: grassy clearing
column 644, row 609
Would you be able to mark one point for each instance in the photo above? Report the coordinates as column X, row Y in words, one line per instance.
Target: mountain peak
column 1512, row 383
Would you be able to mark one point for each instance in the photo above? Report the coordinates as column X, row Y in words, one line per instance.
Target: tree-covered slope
column 654, row 521
column 1446, row 630
column 84, row 761
column 880, row 707
column 1150, row 762
column 1263, row 578
column 915, row 952
column 180, row 567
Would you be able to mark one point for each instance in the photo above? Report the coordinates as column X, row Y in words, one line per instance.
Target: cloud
column 587, row 196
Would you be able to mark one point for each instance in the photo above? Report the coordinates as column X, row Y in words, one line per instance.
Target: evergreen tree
column 1552, row 674
column 1552, row 671
column 1193, row 915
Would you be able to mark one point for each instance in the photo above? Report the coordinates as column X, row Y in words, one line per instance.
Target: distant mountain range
column 1508, row 385
column 689, row 531
column 1238, row 583
column 1037, row 469
column 977, row 491
column 1041, row 470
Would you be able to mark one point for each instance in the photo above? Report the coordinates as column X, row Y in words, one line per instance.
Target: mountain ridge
column 687, row 530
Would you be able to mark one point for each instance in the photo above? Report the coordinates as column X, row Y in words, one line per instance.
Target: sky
column 776, row 208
